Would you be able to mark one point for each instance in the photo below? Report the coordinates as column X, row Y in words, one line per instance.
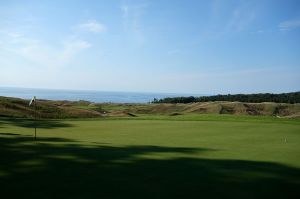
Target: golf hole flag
column 32, row 100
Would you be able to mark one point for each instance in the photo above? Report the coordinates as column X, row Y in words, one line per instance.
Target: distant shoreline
column 88, row 95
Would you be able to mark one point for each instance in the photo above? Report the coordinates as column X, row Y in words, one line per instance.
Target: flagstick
column 35, row 123
column 35, row 119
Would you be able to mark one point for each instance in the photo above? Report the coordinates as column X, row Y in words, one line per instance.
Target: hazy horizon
column 145, row 92
column 193, row 47
column 88, row 95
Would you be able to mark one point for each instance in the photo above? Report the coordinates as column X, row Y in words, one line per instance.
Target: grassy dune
column 15, row 107
column 192, row 156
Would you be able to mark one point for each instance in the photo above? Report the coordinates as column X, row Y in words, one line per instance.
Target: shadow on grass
column 30, row 123
column 12, row 134
column 63, row 168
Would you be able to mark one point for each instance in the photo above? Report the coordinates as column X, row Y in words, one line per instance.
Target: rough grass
column 15, row 107
column 183, row 156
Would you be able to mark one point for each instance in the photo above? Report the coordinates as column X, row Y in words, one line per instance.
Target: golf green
column 206, row 156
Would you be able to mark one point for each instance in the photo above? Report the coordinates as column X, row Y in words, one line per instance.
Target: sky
column 170, row 46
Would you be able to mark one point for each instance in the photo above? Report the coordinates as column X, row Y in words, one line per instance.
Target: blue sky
column 177, row 46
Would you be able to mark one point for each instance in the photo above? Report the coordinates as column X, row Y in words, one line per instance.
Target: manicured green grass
column 185, row 156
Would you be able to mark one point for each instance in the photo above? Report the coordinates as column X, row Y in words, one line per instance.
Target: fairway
column 203, row 156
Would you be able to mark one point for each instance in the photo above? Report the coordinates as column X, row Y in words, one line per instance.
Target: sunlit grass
column 152, row 156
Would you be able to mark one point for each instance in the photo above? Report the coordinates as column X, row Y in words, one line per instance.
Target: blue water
column 92, row 96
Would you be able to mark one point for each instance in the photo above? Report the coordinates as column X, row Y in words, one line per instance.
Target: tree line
column 293, row 97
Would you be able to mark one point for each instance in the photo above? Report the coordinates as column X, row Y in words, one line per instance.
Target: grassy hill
column 15, row 107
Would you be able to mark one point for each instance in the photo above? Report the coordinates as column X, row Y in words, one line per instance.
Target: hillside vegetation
column 291, row 98
column 15, row 107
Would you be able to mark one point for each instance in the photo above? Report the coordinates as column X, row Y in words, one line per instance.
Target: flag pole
column 35, row 118
column 33, row 100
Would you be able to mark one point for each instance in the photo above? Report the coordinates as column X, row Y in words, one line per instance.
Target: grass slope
column 15, row 107
column 195, row 156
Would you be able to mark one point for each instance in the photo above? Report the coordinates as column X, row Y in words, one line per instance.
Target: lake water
column 92, row 96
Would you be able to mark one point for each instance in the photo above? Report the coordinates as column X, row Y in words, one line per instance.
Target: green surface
column 195, row 156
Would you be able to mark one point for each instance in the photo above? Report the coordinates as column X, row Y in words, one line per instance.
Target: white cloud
column 42, row 54
column 241, row 18
column 91, row 26
column 20, row 43
column 132, row 20
column 289, row 25
column 125, row 10
column 71, row 48
column 230, row 20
